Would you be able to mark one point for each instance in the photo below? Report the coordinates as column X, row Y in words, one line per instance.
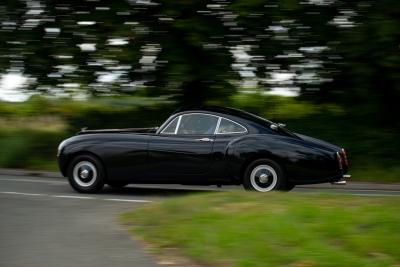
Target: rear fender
column 300, row 161
column 242, row 151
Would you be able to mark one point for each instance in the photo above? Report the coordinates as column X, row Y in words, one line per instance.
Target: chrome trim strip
column 216, row 128
column 177, row 125
column 341, row 182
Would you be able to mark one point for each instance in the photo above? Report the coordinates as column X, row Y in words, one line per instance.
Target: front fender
column 70, row 148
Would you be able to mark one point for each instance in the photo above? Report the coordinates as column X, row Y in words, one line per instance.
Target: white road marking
column 127, row 200
column 24, row 194
column 79, row 197
column 50, row 180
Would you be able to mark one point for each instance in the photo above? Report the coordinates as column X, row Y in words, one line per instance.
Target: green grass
column 277, row 229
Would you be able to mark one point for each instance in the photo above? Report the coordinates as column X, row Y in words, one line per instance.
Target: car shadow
column 157, row 191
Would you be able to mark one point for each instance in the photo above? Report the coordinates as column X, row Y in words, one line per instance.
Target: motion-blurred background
column 327, row 68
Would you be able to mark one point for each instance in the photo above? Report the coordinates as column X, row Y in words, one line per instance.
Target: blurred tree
column 193, row 59
column 200, row 50
column 108, row 47
column 67, row 44
column 293, row 42
column 370, row 68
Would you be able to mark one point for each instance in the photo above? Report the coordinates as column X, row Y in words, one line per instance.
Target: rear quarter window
column 230, row 127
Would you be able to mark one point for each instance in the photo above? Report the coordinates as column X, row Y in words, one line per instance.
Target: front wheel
column 86, row 174
column 264, row 175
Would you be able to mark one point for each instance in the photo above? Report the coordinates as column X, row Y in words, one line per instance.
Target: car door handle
column 205, row 139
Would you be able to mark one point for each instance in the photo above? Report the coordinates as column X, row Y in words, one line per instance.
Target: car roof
column 227, row 111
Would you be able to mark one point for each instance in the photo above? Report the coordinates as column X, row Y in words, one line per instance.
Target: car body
column 202, row 146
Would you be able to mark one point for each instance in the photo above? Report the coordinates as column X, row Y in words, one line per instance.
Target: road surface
column 43, row 222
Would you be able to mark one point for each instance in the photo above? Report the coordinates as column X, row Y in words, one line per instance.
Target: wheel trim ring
column 253, row 178
column 77, row 177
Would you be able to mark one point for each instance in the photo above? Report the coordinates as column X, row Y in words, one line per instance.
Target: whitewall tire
column 264, row 175
column 86, row 174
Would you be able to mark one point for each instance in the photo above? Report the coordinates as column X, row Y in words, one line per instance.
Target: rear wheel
column 264, row 175
column 86, row 174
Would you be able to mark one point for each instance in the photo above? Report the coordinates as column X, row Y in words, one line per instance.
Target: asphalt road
column 44, row 223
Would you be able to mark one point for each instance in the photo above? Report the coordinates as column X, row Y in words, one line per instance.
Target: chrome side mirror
column 281, row 125
column 274, row 127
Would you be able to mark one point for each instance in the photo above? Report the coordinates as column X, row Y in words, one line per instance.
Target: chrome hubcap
column 85, row 173
column 263, row 178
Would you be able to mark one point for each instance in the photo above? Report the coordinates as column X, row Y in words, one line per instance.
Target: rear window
column 230, row 127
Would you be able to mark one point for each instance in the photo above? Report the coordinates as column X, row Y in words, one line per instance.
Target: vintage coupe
column 201, row 146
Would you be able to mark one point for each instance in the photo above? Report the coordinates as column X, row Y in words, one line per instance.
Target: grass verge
column 244, row 229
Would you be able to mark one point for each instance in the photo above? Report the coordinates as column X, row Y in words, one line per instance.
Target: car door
column 184, row 147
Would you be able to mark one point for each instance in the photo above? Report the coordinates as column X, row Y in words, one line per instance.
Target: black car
column 201, row 146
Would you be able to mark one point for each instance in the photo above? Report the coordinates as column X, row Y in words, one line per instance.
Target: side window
column 227, row 127
column 171, row 127
column 197, row 124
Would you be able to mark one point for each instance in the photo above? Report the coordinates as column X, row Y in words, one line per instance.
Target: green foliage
column 91, row 113
column 278, row 107
column 277, row 229
column 30, row 149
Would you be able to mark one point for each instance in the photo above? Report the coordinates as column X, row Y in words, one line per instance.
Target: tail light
column 339, row 158
column 345, row 157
